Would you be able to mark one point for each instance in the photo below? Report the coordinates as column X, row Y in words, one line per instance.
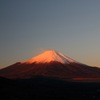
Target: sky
column 28, row 27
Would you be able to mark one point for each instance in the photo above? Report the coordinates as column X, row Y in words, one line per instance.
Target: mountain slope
column 51, row 64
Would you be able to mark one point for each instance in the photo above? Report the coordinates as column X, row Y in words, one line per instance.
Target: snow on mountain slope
column 51, row 55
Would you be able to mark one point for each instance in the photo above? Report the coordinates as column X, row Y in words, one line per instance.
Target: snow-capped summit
column 50, row 55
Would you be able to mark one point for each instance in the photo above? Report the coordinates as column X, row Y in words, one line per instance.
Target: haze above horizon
column 28, row 27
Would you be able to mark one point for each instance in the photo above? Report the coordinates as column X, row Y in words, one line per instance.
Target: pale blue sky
column 28, row 27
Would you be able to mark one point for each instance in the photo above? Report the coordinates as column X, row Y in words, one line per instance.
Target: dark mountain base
column 40, row 88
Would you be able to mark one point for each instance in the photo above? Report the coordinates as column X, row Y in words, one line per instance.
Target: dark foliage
column 41, row 88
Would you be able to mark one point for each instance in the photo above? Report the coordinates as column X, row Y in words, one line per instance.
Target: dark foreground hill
column 42, row 88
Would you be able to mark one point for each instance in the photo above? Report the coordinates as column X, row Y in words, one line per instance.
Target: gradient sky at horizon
column 28, row 27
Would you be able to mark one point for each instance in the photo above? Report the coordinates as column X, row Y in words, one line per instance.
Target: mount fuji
column 51, row 64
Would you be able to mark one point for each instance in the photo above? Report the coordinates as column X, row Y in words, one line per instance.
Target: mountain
column 51, row 64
